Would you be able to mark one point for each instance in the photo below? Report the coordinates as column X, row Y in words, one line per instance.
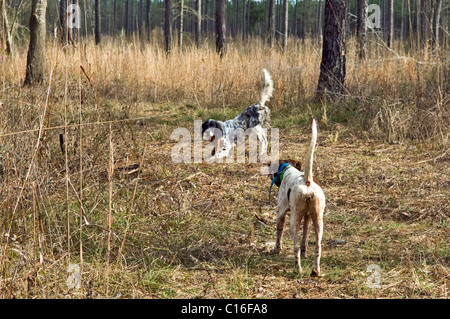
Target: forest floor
column 205, row 230
column 199, row 230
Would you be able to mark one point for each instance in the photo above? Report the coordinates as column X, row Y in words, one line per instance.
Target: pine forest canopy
column 249, row 18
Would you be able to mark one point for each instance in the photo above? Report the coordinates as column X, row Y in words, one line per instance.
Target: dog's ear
column 205, row 126
column 273, row 167
column 296, row 164
column 211, row 124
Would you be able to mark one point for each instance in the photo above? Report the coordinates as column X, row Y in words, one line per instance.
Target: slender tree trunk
column 180, row 31
column 278, row 19
column 390, row 24
column 332, row 68
column 285, row 24
column 361, row 27
column 35, row 72
column 211, row 15
column 410, row 24
column 304, row 21
column 168, row 25
column 221, row 27
column 97, row 22
column 205, row 15
column 348, row 28
column 132, row 20
column 271, row 23
column 7, row 30
column 63, row 20
column 418, row 28
column 424, row 21
column 247, row 32
column 402, row 27
column 114, row 22
column 198, row 24
column 436, row 18
column 234, row 21
column 148, row 27
column 140, row 18
column 244, row 25
column 295, row 23
column 319, row 21
column 127, row 18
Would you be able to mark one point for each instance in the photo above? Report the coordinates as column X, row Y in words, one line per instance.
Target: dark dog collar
column 278, row 177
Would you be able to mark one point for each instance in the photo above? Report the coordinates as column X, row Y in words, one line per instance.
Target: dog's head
column 209, row 127
column 274, row 166
column 212, row 129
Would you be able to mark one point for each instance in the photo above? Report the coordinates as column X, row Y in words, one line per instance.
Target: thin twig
column 110, row 176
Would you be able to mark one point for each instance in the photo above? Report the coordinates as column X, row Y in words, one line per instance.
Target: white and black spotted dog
column 256, row 116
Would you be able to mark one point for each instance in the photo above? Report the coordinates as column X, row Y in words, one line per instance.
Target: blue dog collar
column 279, row 174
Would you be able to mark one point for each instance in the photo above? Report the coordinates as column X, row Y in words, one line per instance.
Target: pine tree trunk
column 247, row 32
column 35, row 72
column 348, row 30
column 285, row 24
column 140, row 15
column 9, row 40
column 221, row 27
column 319, row 21
column 97, row 22
column 234, row 22
column 114, row 23
column 436, row 18
column 390, row 24
column 205, row 15
column 198, row 22
column 148, row 27
column 424, row 22
column 168, row 25
column 278, row 19
column 63, row 20
column 243, row 19
column 304, row 22
column 271, row 23
column 361, row 27
column 295, row 24
column 332, row 68
column 127, row 17
column 180, row 31
column 402, row 27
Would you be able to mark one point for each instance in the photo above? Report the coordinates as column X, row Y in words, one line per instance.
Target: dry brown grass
column 200, row 230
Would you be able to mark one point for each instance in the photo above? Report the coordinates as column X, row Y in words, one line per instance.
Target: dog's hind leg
column 304, row 244
column 280, row 226
column 318, row 229
column 296, row 219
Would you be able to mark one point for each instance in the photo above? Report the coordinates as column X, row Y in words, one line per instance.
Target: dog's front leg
column 262, row 136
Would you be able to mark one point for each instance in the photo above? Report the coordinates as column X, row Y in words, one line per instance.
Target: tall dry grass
column 391, row 96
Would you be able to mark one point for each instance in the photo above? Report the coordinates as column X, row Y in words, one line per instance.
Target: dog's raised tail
column 267, row 89
column 310, row 155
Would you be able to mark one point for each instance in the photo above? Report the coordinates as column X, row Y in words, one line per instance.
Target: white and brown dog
column 304, row 198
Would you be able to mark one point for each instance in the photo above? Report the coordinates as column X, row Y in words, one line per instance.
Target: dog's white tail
column 267, row 88
column 310, row 155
